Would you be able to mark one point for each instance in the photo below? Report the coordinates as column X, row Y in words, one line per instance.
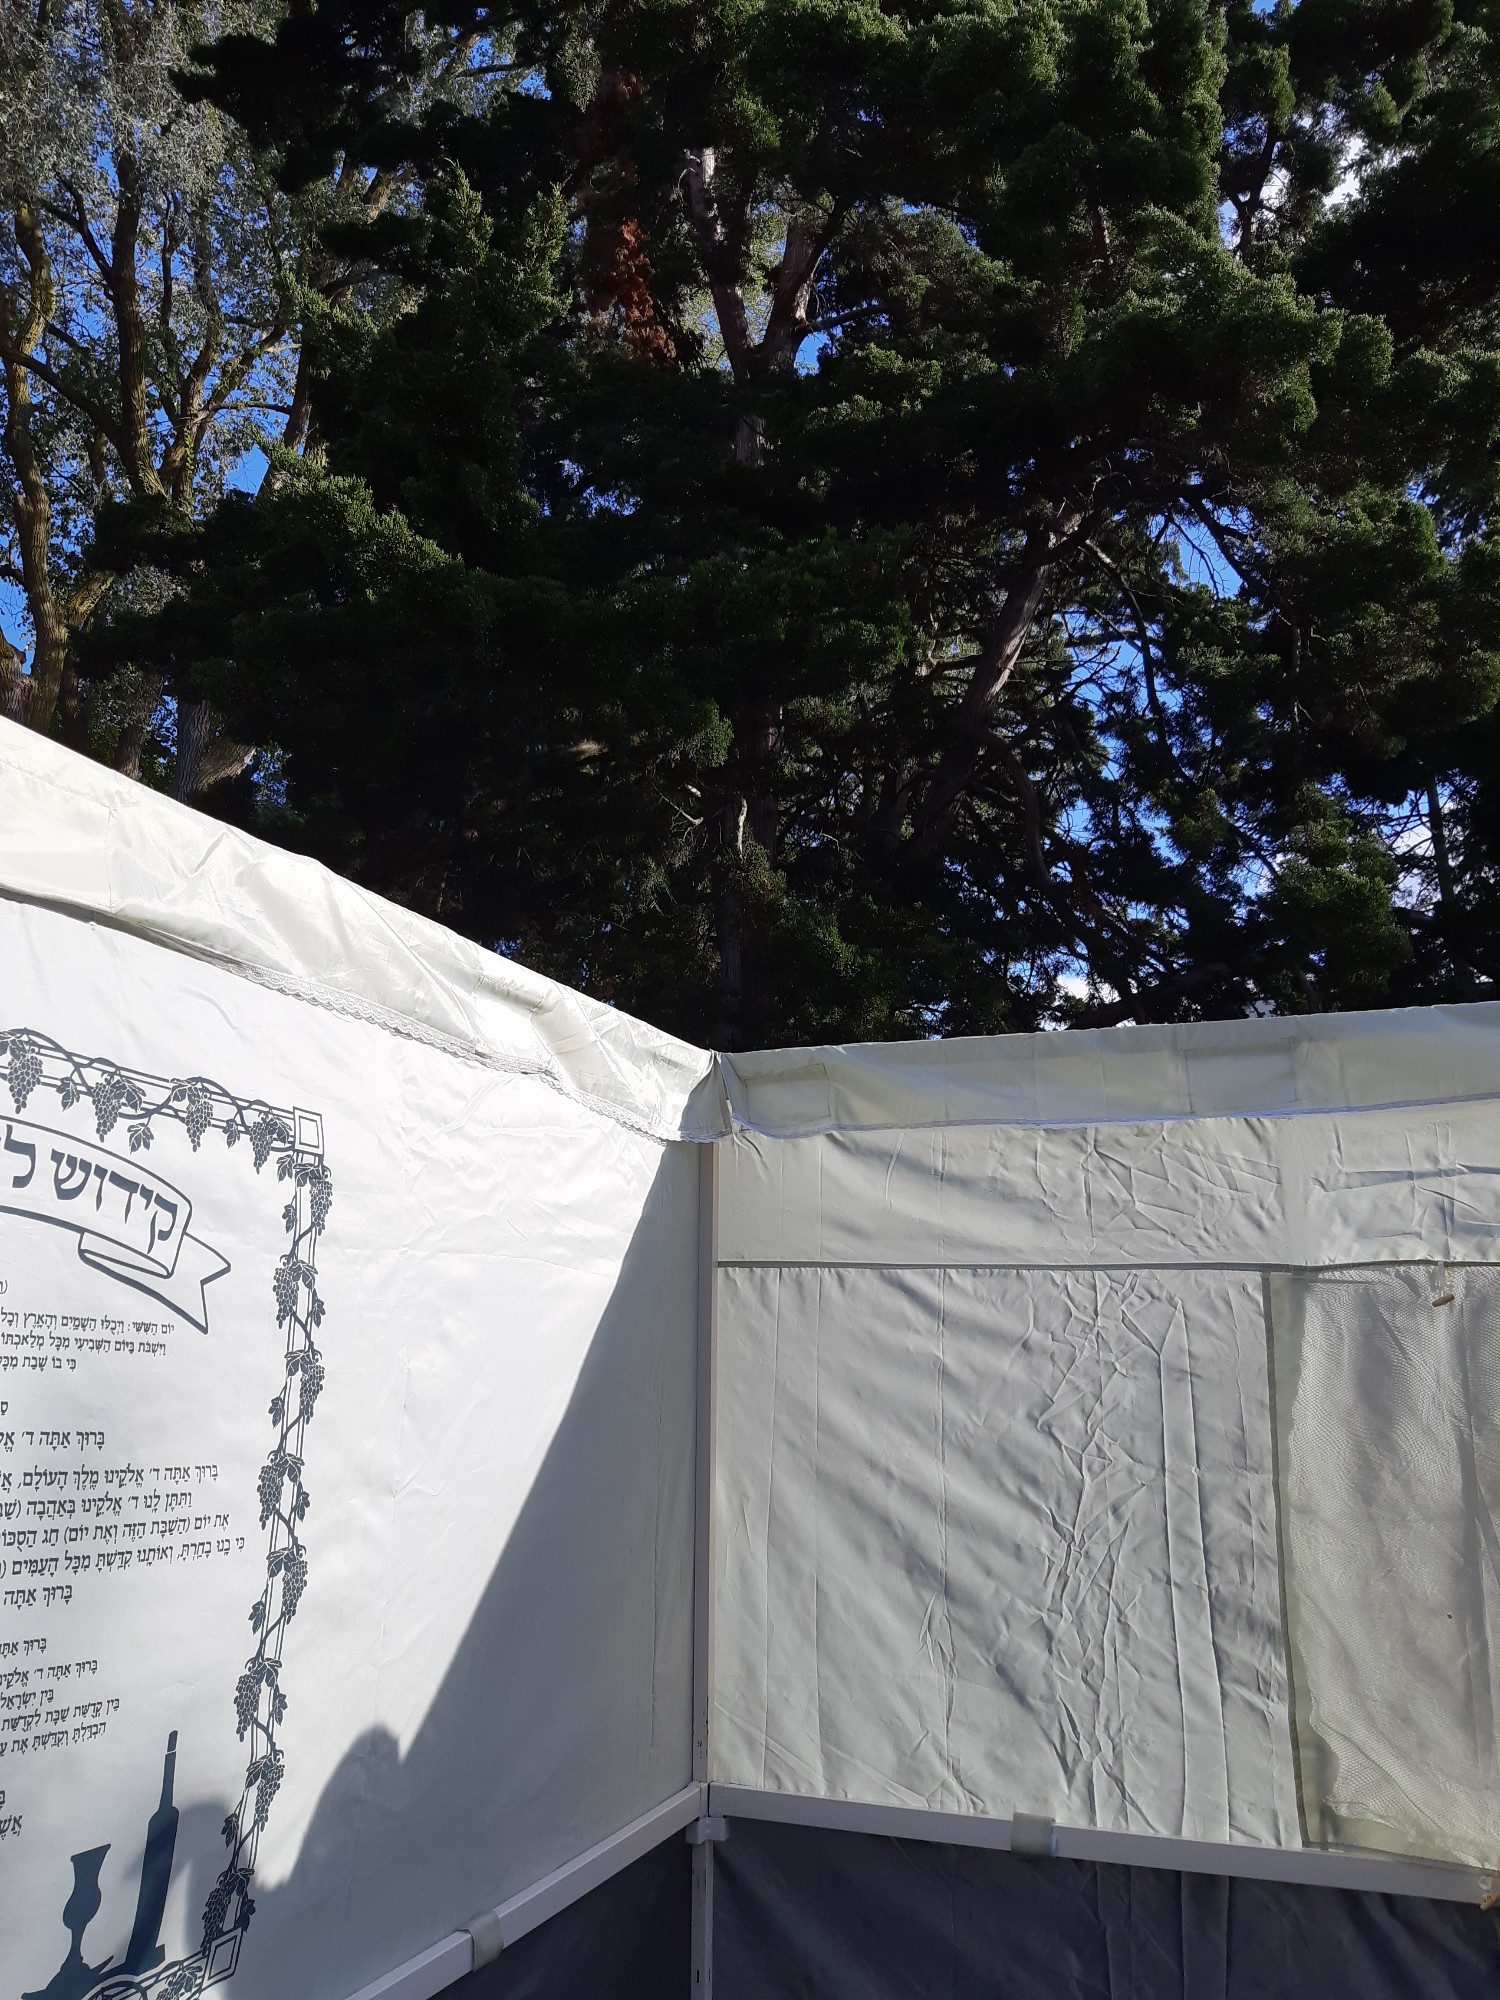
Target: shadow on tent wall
column 561, row 1607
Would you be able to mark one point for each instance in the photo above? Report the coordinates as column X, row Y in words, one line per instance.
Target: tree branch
column 134, row 442
column 1148, row 665
column 32, row 504
column 1109, row 1013
column 717, row 256
column 78, row 221
column 786, row 324
column 16, row 356
column 993, row 666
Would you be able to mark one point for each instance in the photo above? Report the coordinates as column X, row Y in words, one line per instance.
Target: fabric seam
column 295, row 986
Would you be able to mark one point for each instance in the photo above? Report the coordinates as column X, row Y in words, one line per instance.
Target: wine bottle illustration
column 144, row 1953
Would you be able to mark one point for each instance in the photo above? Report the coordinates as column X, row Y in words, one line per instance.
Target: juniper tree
column 887, row 518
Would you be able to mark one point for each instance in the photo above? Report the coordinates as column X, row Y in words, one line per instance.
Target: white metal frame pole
column 486, row 1935
column 704, row 1564
column 1314, row 1867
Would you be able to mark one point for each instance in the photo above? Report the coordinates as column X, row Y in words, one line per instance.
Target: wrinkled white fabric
column 1371, row 1186
column 937, row 1593
column 76, row 835
column 1388, row 1414
column 999, row 1541
column 1199, row 1069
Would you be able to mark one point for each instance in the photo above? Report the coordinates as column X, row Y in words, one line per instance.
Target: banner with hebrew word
column 128, row 1223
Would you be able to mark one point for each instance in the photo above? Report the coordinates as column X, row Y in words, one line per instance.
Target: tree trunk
column 135, row 433
column 729, row 927
column 749, row 813
column 747, row 819
column 720, row 260
column 131, row 740
column 15, row 688
column 1442, row 861
column 204, row 756
column 792, row 290
column 997, row 662
column 31, row 505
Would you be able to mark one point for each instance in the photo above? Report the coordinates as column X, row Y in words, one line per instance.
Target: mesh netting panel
column 1388, row 1423
column 801, row 1913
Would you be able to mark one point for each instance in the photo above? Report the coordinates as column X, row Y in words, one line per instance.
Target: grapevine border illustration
column 31, row 1061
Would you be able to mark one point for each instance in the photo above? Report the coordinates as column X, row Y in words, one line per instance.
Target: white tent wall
column 997, row 1461
column 443, row 1202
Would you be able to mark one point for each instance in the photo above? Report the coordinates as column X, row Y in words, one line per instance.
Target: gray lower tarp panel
column 803, row 1914
column 629, row 1939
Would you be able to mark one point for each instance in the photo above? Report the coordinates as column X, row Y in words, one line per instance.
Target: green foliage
column 837, row 518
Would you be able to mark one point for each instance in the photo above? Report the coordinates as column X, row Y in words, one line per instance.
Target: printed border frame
column 294, row 1138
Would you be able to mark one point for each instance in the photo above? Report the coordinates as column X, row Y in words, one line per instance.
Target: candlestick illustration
column 144, row 1953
